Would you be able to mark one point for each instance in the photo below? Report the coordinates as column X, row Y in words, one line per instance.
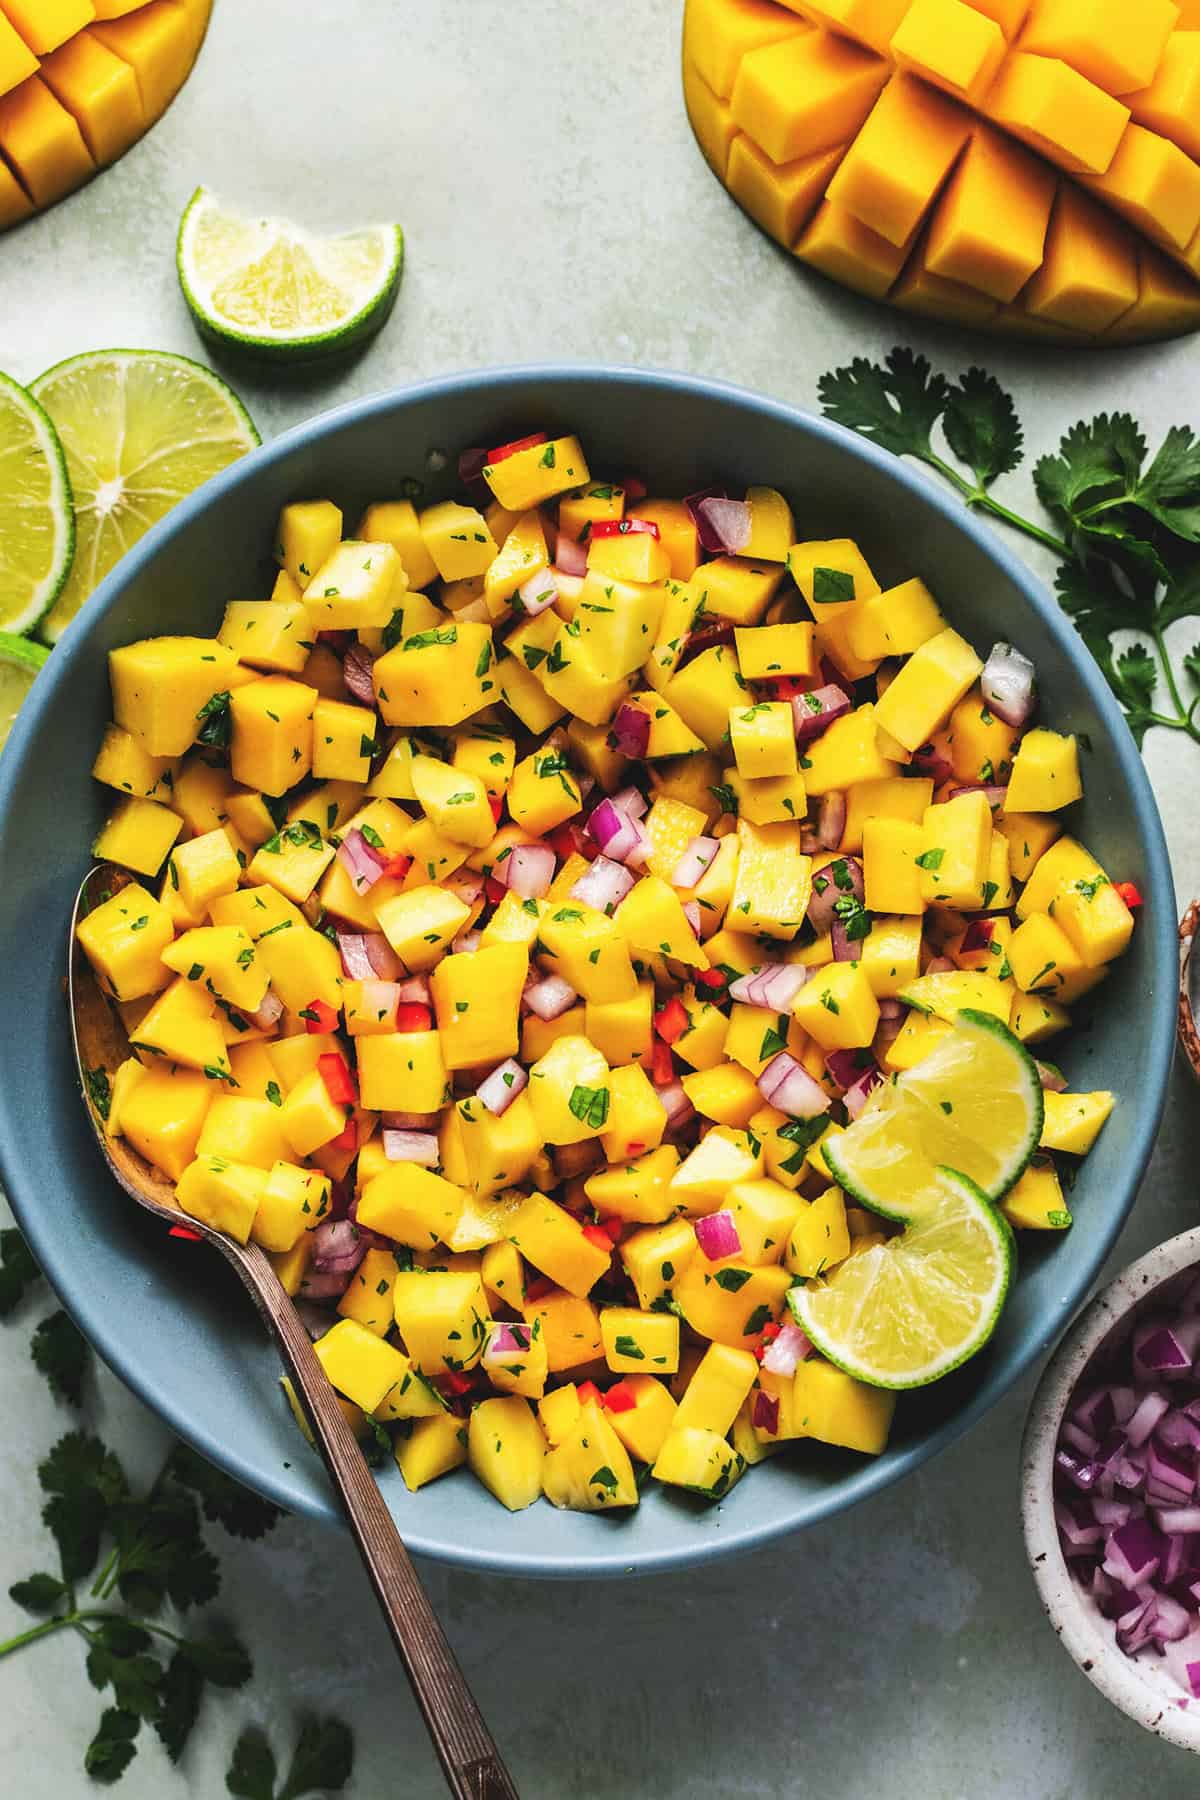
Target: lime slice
column 20, row 661
column 141, row 429
column 37, row 523
column 271, row 287
column 905, row 1313
column 974, row 1103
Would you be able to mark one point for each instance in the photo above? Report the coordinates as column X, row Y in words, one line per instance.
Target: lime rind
column 59, row 506
column 21, row 661
column 102, row 403
column 894, row 1291
column 348, row 333
column 873, row 1131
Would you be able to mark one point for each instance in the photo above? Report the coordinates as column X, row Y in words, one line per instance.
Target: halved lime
column 37, row 523
column 905, row 1313
column 974, row 1103
column 269, row 286
column 141, row 429
column 20, row 661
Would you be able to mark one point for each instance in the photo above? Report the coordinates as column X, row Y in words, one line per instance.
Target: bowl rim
column 1159, row 914
column 1116, row 1675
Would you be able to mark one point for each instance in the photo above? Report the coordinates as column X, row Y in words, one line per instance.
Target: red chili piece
column 411, row 1015
column 611, row 528
column 671, row 1020
column 186, row 1232
column 518, row 444
column 1130, row 894
column 339, row 1082
column 587, row 1390
column 662, row 1066
column 620, row 1398
column 319, row 1018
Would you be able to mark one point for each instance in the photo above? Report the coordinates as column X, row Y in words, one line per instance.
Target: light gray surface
column 537, row 155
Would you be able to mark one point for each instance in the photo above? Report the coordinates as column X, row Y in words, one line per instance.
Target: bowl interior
column 1140, row 1685
column 165, row 1315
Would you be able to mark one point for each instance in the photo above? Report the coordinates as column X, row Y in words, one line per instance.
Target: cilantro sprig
column 1124, row 525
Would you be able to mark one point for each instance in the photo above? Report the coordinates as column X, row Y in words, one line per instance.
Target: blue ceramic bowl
column 167, row 1316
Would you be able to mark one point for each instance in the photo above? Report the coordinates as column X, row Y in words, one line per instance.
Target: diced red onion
column 570, row 556
column 855, row 1098
column 499, row 1089
column 604, row 885
column 1179, row 1430
column 415, row 991
column 1079, row 1537
column 786, row 1352
column 507, row 1343
column 888, row 1030
column 269, row 1013
column 978, row 936
column 337, row 1247
column 411, row 1147
column 848, row 1066
column 724, row 525
column 695, row 861
column 930, row 760
column 939, row 965
column 409, row 1121
column 772, row 986
column 788, row 1086
column 765, row 1416
column 631, row 730
column 845, row 948
column 550, row 997
column 717, row 1235
column 1158, row 1349
column 356, row 963
column 324, row 1284
column 527, row 870
column 1112, row 1512
column 691, row 913
column 1145, row 1419
column 1008, row 684
column 360, row 861
column 841, row 879
column 356, row 673
column 631, row 801
column 465, row 885
column 539, row 592
column 466, row 943
column 815, row 711
column 1183, row 1660
column 1133, row 1553
column 675, row 1104
column 619, row 836
column 471, row 464
column 1051, row 1077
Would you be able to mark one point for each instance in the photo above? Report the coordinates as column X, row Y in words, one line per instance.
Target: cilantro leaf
column 1097, row 460
column 251, row 1774
column 61, row 1354
column 224, row 1501
column 216, row 727
column 115, row 1660
column 1170, row 489
column 37, row 1593
column 179, row 1695
column 220, row 1658
column 162, row 1555
column 896, row 406
column 982, row 427
column 112, row 1749
column 324, row 1759
column 85, row 1482
column 1191, row 662
column 18, row 1271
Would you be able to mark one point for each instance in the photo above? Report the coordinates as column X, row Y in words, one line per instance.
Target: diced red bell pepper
column 186, row 1232
column 635, row 488
column 662, row 1065
column 786, row 687
column 525, row 443
column 539, row 1288
column 614, row 1228
column 769, row 1333
column 596, row 1234
column 496, row 802
column 494, row 890
column 611, row 528
column 587, row 1390
column 671, row 1020
column 564, row 840
column 339, row 1082
column 411, row 1015
column 452, row 1381
column 1130, row 894
column 620, row 1398
column 711, row 978
column 346, row 1139
column 319, row 1018
column 397, row 867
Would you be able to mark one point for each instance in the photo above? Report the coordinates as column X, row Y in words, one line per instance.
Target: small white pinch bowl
column 1140, row 1686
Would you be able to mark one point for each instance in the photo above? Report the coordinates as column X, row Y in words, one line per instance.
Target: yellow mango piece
column 589, row 1469
column 162, row 1116
column 1113, row 47
column 395, row 522
column 1169, row 103
column 726, row 1094
column 532, row 476
column 653, row 921
column 306, row 536
column 1034, row 1018
column 40, row 139
column 764, row 651
column 570, row 1326
column 420, row 923
column 805, row 93
column 138, row 834
column 45, row 24
column 716, row 1390
column 723, row 1156
column 161, row 686
column 1045, row 963
column 837, row 1008
column 435, row 1446
column 835, row 1409
column 838, row 244
column 497, row 1150
column 730, row 1302
column 1045, row 773
column 1037, row 1203
column 1073, row 1121
column 1057, row 111
column 100, row 90
column 951, row 44
column 569, row 1093
column 621, row 1029
column 294, row 1201
column 955, row 857
column 1089, row 279
column 442, row 1317
column 773, row 884
column 654, row 1257
column 639, row 1191
column 989, row 229
column 1155, row 185
column 359, row 1364
column 222, row 1194
column 699, row 1460
column 899, row 160
column 819, row 1238
column 437, row 676
column 639, row 1342
column 763, row 739
column 720, row 35
column 703, row 692
column 764, row 1213
column 506, row 1449
column 1095, row 918
column 458, row 539
column 522, row 555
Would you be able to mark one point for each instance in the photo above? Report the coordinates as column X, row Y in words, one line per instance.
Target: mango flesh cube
column 989, row 230
column 124, row 938
column 805, row 93
column 359, row 1364
column 222, row 1194
column 1045, row 773
column 950, row 44
column 45, row 24
column 101, row 91
column 837, row 1008
column 722, row 34
column 836, row 1409
column 1073, row 1121
column 268, row 634
column 17, row 61
column 159, row 41
column 506, row 1449
column 842, row 247
column 163, row 1115
column 870, row 22
column 437, row 676
column 161, row 685
column 272, row 744
column 138, row 835
column 1170, row 103
column 893, row 170
column 1009, row 14
column 919, row 290
column 1153, row 184
column 1117, row 46
column 928, row 688
column 710, row 119
column 1058, row 111
column 1168, row 303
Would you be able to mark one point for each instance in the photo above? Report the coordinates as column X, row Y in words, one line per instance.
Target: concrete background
column 555, row 205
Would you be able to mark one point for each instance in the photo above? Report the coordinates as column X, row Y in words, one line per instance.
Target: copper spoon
column 470, row 1760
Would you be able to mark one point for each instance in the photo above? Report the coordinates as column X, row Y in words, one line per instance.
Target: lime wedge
column 37, row 523
column 271, row 287
column 974, row 1103
column 20, row 661
column 141, row 429
column 905, row 1313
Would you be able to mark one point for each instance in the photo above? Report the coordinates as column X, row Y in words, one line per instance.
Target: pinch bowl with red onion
column 1110, row 1478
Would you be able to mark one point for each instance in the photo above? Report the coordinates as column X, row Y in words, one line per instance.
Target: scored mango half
column 80, row 82
column 1029, row 167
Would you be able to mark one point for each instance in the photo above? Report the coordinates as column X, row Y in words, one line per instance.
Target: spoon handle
column 472, row 1764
